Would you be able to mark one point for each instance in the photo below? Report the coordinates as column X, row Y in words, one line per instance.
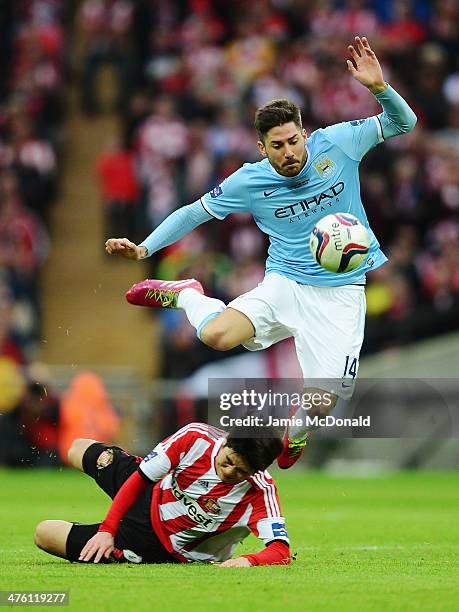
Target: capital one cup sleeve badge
column 216, row 191
column 105, row 459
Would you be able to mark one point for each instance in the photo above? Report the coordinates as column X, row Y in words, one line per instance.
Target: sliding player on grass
column 193, row 498
column 301, row 180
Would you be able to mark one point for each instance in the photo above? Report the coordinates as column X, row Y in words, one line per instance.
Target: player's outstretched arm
column 175, row 226
column 357, row 138
column 365, row 67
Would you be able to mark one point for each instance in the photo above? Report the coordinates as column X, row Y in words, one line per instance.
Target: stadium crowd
column 191, row 74
column 31, row 119
column 37, row 426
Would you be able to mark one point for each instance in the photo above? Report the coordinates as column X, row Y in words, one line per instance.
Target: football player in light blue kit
column 300, row 181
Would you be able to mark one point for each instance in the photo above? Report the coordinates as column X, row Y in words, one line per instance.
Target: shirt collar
column 217, row 446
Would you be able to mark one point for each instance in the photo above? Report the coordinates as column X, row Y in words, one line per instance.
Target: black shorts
column 111, row 466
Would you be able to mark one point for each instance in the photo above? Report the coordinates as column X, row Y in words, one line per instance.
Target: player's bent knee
column 217, row 338
column 42, row 531
column 51, row 536
column 77, row 450
column 227, row 330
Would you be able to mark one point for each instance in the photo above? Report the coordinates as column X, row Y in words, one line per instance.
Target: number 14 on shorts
column 350, row 367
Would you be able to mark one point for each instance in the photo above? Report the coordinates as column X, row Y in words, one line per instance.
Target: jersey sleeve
column 175, row 226
column 132, row 488
column 357, row 137
column 266, row 521
column 275, row 553
column 231, row 196
column 167, row 454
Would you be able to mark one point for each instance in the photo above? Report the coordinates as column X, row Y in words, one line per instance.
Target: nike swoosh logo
column 345, row 386
column 268, row 193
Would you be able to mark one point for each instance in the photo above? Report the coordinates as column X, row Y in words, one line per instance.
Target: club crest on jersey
column 324, row 166
column 211, row 505
column 104, row 459
column 216, row 191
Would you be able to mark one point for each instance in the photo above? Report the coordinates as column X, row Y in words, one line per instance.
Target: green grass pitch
column 388, row 543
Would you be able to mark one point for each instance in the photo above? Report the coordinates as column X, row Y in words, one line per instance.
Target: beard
column 290, row 168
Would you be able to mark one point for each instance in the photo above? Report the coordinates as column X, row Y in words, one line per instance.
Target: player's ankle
column 298, row 436
column 184, row 297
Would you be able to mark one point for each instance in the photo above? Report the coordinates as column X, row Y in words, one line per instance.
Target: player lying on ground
column 193, row 498
column 300, row 181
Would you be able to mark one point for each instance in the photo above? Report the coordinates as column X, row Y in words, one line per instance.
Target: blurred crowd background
column 189, row 76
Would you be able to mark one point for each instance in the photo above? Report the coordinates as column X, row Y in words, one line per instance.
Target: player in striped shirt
column 194, row 497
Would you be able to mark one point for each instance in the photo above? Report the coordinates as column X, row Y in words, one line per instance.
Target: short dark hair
column 274, row 113
column 258, row 447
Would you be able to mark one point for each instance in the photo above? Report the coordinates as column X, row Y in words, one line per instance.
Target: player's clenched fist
column 125, row 248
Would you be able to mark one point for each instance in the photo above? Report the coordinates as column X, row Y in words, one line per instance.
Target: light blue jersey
column 288, row 208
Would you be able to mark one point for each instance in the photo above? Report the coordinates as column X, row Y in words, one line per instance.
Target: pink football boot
column 160, row 293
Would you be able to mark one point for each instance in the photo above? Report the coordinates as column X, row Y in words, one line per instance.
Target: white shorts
column 327, row 324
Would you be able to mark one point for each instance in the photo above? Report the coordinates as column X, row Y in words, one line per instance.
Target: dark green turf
column 390, row 543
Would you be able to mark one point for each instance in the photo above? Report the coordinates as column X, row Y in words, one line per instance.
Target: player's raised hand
column 125, row 248
column 365, row 67
column 237, row 562
column 100, row 545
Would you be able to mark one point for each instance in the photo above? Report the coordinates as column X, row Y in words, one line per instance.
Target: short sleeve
column 167, row 454
column 231, row 196
column 266, row 521
column 356, row 137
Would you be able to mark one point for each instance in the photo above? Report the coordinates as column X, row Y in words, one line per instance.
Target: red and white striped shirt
column 196, row 516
